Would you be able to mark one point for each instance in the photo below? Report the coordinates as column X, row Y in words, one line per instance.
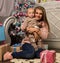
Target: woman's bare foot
column 7, row 56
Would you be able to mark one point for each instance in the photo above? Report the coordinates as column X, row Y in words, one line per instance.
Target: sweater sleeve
column 44, row 31
column 24, row 25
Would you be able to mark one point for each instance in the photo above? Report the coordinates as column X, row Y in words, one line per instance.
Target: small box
column 48, row 56
column 57, row 0
column 1, row 24
column 15, row 49
column 3, row 49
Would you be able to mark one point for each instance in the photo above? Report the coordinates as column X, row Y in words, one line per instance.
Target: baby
column 30, row 22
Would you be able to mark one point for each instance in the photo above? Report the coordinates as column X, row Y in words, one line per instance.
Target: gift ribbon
column 43, row 56
column 14, row 49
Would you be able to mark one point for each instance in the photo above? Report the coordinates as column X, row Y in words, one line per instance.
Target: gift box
column 1, row 24
column 57, row 0
column 48, row 56
column 15, row 48
column 2, row 33
column 3, row 49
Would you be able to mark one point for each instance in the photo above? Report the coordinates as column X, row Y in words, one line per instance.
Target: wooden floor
column 6, row 62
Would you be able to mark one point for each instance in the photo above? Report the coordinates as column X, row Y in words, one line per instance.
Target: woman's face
column 38, row 14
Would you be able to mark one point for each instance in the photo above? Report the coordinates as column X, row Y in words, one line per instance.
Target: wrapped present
column 3, row 49
column 2, row 33
column 0, row 24
column 48, row 56
column 57, row 0
column 16, row 48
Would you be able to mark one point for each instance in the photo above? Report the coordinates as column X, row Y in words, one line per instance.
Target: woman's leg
column 28, row 52
column 37, row 53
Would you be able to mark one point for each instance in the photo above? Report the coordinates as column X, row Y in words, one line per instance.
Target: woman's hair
column 44, row 18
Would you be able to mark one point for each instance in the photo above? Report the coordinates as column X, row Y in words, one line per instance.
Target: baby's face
column 30, row 12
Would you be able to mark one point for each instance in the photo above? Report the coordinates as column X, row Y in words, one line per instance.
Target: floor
column 33, row 60
column 6, row 62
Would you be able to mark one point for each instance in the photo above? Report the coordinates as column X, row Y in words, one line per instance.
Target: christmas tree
column 21, row 7
column 19, row 12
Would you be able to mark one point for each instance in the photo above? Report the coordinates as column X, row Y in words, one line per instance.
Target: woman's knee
column 28, row 47
column 30, row 55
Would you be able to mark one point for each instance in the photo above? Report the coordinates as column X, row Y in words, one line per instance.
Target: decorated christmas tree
column 21, row 6
column 19, row 11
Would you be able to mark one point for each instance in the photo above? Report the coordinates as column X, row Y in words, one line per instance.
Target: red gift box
column 48, row 56
column 57, row 0
column 0, row 24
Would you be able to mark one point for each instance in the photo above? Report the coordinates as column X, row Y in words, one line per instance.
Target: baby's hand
column 41, row 24
column 25, row 40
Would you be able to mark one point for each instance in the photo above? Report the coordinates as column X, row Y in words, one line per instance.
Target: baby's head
column 30, row 12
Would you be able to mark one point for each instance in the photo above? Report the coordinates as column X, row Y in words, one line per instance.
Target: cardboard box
column 3, row 49
column 15, row 49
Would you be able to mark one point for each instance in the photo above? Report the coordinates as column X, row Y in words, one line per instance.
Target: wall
column 53, row 15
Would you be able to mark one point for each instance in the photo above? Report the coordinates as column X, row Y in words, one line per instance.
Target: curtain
column 6, row 7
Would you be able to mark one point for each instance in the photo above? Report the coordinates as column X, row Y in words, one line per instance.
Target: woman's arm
column 44, row 31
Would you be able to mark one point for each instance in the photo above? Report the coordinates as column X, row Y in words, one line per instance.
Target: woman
column 28, row 51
